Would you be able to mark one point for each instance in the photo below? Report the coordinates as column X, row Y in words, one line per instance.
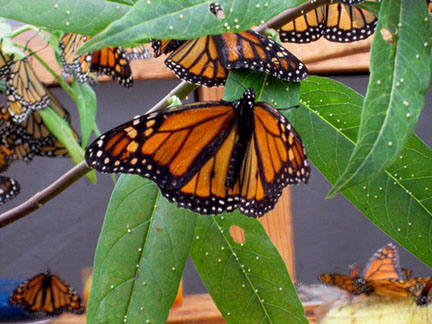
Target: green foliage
column 248, row 280
column 86, row 17
column 397, row 200
column 140, row 256
column 185, row 19
column 87, row 106
column 400, row 73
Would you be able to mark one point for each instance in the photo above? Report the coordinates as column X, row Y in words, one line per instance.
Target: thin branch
column 181, row 91
column 42, row 197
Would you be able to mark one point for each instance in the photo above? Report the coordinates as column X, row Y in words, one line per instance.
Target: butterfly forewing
column 384, row 264
column 140, row 52
column 165, row 46
column 5, row 63
column 71, row 62
column 340, row 281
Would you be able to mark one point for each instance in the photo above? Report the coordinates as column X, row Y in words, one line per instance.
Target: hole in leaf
column 216, row 9
column 387, row 35
column 237, row 233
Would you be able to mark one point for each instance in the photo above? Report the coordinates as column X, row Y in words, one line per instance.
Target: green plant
column 364, row 146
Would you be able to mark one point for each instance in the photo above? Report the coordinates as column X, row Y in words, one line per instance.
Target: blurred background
column 329, row 235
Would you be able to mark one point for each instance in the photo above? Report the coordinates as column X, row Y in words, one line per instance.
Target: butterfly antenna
column 26, row 46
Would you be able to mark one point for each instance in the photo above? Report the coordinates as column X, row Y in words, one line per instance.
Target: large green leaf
column 248, row 281
column 86, row 17
column 398, row 200
column 400, row 72
column 185, row 20
column 140, row 256
column 87, row 105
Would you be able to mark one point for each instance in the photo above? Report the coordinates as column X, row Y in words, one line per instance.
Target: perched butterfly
column 25, row 93
column 32, row 137
column 9, row 189
column 208, row 59
column 209, row 157
column 5, row 63
column 112, row 61
column 46, row 294
column 338, row 22
column 383, row 265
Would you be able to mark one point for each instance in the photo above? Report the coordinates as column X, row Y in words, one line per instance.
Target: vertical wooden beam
column 278, row 222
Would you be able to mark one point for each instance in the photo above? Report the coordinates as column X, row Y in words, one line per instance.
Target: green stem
column 58, row 78
column 21, row 30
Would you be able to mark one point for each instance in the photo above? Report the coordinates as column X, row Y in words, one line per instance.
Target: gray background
column 329, row 234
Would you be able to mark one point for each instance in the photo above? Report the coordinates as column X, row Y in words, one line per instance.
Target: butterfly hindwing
column 9, row 188
column 304, row 29
column 5, row 63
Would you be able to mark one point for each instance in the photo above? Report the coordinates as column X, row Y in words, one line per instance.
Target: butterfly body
column 46, row 294
column 209, row 157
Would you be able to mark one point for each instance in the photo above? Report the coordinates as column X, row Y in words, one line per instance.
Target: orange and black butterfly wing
column 5, row 63
column 429, row 5
column 304, row 29
column 197, row 61
column 9, row 189
column 345, row 23
column 46, row 294
column 113, row 61
column 6, row 157
column 275, row 158
column 392, row 288
column 424, row 297
column 340, row 281
column 252, row 50
column 165, row 46
column 384, row 264
column 71, row 61
column 137, row 53
column 185, row 151
column 25, row 93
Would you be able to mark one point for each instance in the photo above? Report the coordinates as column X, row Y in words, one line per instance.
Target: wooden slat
column 197, row 309
column 321, row 57
column 277, row 222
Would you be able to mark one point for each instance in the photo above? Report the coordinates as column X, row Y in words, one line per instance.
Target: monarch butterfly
column 25, row 93
column 46, row 294
column 209, row 157
column 208, row 59
column 423, row 298
column 9, row 189
column 112, row 61
column 338, row 22
column 5, row 62
column 383, row 265
column 32, row 137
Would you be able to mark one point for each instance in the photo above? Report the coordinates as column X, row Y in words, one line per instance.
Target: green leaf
column 400, row 72
column 140, row 256
column 86, row 17
column 185, row 19
column 248, row 281
column 371, row 6
column 62, row 131
column 87, row 105
column 398, row 199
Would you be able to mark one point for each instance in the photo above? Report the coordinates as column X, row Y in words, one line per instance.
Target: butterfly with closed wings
column 337, row 22
column 46, row 294
column 209, row 157
column 112, row 61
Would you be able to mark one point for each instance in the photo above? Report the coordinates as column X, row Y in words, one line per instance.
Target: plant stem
column 181, row 91
column 42, row 197
column 21, row 30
